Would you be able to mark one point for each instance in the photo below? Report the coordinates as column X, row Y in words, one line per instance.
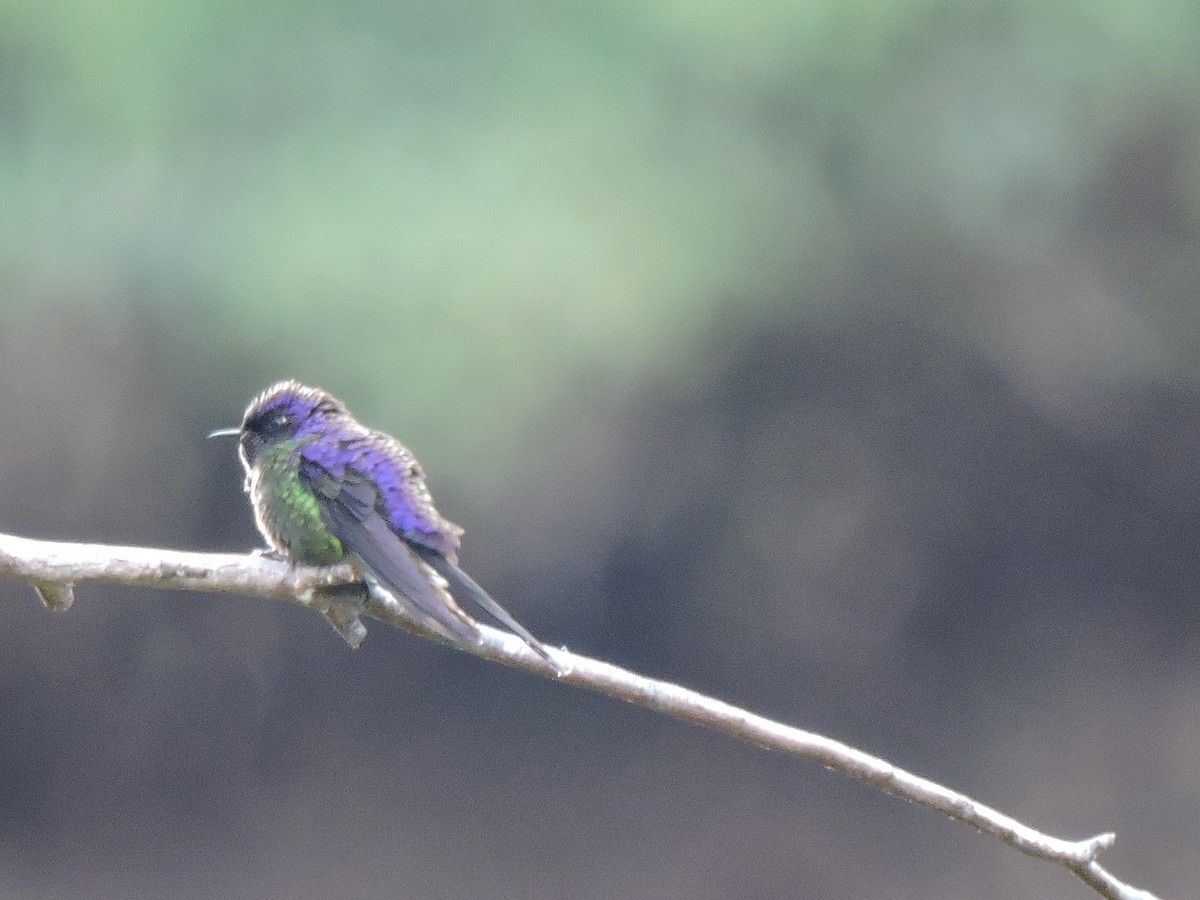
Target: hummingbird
column 327, row 489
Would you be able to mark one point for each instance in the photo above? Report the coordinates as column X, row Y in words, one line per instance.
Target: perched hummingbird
column 327, row 489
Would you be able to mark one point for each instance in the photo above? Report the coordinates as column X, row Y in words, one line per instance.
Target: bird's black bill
column 225, row 432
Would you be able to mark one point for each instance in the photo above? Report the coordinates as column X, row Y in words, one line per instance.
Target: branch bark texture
column 54, row 568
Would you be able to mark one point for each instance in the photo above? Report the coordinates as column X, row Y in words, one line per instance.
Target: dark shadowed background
column 841, row 359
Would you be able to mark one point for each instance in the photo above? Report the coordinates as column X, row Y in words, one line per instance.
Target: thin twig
column 54, row 568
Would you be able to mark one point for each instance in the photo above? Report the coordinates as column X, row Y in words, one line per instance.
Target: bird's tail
column 463, row 585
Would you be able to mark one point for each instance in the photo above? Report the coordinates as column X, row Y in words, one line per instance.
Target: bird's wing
column 463, row 584
column 351, row 510
column 404, row 496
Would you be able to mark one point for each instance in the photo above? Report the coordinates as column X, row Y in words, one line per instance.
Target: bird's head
column 285, row 410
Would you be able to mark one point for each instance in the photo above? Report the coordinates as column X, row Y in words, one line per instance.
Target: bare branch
column 54, row 568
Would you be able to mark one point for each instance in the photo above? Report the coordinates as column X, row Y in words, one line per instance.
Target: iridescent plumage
column 325, row 488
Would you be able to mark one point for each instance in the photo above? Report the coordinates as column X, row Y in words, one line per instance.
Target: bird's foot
column 270, row 553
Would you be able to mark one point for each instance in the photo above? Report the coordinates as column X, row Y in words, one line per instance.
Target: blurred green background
column 838, row 358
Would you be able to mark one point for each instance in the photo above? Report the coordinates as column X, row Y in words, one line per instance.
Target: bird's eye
column 274, row 424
